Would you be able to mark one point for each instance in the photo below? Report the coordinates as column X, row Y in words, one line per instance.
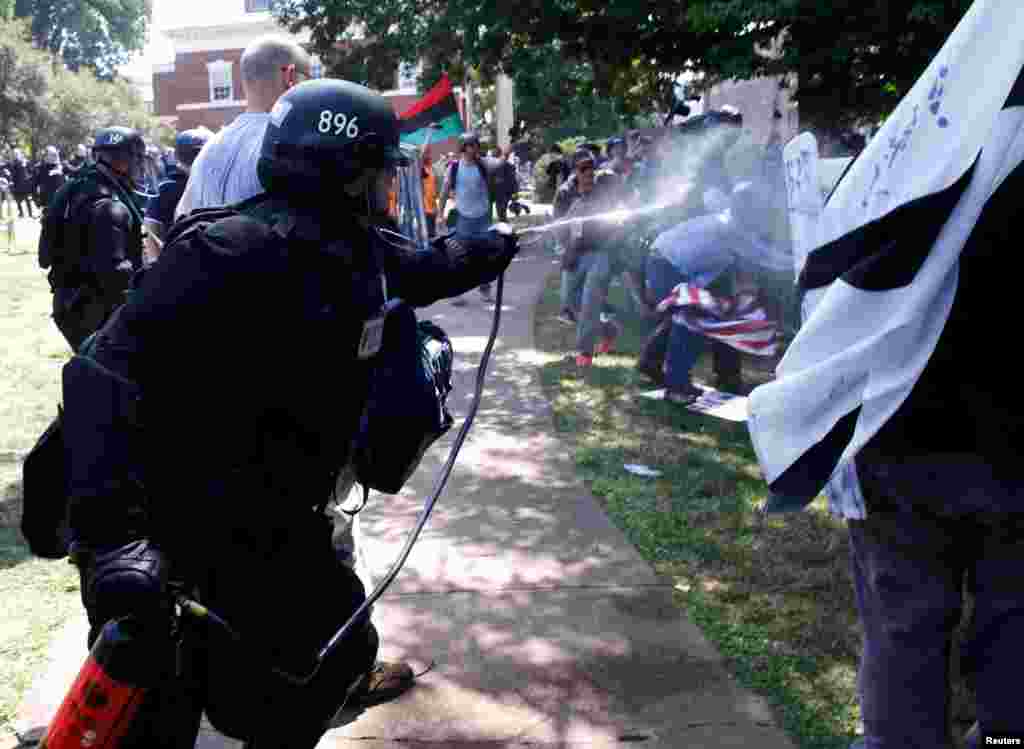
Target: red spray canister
column 105, row 696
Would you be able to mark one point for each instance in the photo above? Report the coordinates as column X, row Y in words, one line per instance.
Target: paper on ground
column 642, row 470
column 713, row 403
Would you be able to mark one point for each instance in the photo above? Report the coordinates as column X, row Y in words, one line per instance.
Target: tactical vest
column 62, row 241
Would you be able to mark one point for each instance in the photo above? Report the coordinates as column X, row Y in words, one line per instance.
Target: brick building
column 202, row 85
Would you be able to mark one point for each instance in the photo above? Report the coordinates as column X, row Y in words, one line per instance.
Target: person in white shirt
column 224, row 173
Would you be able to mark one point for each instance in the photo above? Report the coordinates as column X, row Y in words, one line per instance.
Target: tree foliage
column 98, row 34
column 24, row 78
column 43, row 103
column 553, row 73
column 853, row 59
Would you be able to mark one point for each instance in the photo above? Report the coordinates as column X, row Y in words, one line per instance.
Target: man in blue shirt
column 468, row 182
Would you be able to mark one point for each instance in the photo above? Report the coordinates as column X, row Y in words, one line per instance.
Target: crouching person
column 696, row 252
column 189, row 466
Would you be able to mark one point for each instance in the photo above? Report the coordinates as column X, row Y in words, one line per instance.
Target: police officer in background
column 160, row 209
column 92, row 237
column 77, row 162
column 239, row 516
column 50, row 177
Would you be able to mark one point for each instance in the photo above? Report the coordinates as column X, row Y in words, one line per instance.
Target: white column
column 470, row 104
column 505, row 106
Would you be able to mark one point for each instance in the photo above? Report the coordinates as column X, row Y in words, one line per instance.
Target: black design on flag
column 881, row 284
column 437, row 107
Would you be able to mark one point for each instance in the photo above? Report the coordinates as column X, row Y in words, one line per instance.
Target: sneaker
column 605, row 346
column 566, row 317
column 583, row 361
column 385, row 681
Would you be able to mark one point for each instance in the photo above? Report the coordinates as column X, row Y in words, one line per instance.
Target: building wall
column 184, row 92
column 757, row 100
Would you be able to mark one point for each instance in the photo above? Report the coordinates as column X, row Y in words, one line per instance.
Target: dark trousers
column 78, row 314
column 26, row 198
column 683, row 346
column 286, row 605
column 909, row 558
column 501, row 208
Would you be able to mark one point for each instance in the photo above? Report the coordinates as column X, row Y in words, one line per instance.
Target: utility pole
column 470, row 104
column 505, row 109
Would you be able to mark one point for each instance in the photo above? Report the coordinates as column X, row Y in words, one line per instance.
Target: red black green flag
column 436, row 107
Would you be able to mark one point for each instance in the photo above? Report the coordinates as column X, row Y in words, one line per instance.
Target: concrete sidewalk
column 537, row 623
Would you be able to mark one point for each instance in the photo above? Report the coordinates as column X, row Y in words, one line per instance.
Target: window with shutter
column 221, row 83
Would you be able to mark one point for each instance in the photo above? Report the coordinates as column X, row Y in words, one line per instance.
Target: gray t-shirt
column 471, row 196
column 225, row 170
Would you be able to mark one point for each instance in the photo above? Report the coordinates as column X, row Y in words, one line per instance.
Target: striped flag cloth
column 437, row 107
column 881, row 283
column 738, row 321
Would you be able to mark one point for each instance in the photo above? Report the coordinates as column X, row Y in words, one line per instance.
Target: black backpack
column 44, row 517
column 46, row 477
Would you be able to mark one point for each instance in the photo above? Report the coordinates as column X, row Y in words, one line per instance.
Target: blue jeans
column 588, row 281
column 924, row 531
column 684, row 346
column 571, row 293
column 467, row 227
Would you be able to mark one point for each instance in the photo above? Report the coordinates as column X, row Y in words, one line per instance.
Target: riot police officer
column 50, row 177
column 160, row 209
column 92, row 235
column 252, row 345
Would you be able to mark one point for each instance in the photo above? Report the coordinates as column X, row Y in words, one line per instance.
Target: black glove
column 482, row 257
column 129, row 580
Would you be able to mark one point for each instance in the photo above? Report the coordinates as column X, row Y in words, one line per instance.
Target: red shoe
column 582, row 360
column 606, row 346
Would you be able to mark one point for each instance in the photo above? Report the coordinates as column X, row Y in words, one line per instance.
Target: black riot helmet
column 189, row 143
column 123, row 141
column 326, row 133
column 119, row 138
column 468, row 139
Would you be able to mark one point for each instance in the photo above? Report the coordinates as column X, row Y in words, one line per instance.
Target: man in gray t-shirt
column 225, row 170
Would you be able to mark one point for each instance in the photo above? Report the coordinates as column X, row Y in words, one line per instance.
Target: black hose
column 439, row 485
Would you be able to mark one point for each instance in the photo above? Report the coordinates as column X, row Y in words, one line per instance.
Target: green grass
column 37, row 596
column 774, row 595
